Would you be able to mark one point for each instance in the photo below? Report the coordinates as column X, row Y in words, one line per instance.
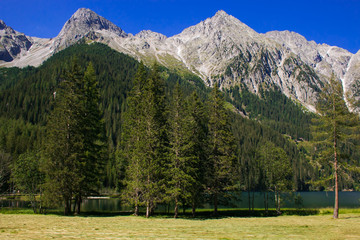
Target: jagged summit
column 221, row 13
column 87, row 19
column 81, row 23
column 12, row 43
column 221, row 49
column 4, row 29
column 2, row 24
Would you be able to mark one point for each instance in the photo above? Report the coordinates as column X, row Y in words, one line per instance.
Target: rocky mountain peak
column 84, row 12
column 82, row 23
column 85, row 20
column 12, row 43
column 2, row 24
column 221, row 14
column 6, row 30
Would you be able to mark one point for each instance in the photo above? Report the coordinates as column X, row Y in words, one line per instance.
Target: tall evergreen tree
column 145, row 140
column 181, row 170
column 91, row 163
column 332, row 129
column 132, row 147
column 74, row 146
column 219, row 167
column 155, row 139
column 64, row 142
column 196, row 132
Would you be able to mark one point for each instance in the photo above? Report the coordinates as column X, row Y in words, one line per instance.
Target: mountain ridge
column 220, row 49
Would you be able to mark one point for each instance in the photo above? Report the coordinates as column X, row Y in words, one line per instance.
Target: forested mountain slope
column 26, row 97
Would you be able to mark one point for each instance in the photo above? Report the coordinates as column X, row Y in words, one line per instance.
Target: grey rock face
column 80, row 24
column 323, row 58
column 220, row 49
column 12, row 43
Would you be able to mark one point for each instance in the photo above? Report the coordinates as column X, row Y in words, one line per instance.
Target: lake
column 308, row 200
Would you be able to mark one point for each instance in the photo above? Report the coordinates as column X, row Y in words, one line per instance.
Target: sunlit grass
column 20, row 226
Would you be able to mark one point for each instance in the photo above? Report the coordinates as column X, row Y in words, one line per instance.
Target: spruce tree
column 155, row 139
column 145, row 140
column 64, row 142
column 219, row 167
column 91, row 163
column 133, row 143
column 182, row 159
column 74, row 146
column 196, row 132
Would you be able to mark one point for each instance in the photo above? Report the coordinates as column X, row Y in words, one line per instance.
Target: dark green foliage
column 132, row 153
column 273, row 109
column 16, row 137
column 28, row 178
column 334, row 129
column 196, row 132
column 27, row 93
column 146, row 140
column 141, row 121
column 63, row 145
column 73, row 160
column 185, row 132
column 275, row 168
column 221, row 148
column 249, row 136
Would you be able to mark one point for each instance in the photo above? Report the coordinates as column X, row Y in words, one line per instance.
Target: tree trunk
column 78, row 204
column 193, row 208
column 279, row 203
column 215, row 204
column 148, row 209
column 336, row 207
column 184, row 206
column 136, row 210
column 253, row 201
column 176, row 210
column 67, row 209
column 265, row 201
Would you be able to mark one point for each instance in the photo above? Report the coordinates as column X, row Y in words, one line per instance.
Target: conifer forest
column 91, row 121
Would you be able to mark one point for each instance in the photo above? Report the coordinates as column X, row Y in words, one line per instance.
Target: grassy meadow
column 321, row 226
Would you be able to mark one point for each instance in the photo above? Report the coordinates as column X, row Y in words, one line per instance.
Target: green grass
column 20, row 226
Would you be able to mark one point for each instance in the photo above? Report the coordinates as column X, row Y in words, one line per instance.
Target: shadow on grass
column 200, row 215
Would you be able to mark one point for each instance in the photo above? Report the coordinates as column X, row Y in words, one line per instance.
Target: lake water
column 308, row 200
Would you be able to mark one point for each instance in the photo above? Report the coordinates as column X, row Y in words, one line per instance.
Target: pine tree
column 219, row 167
column 133, row 143
column 196, row 132
column 155, row 140
column 145, row 140
column 332, row 129
column 91, row 163
column 181, row 170
column 74, row 146
column 64, row 142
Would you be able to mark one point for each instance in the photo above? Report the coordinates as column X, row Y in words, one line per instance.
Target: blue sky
column 335, row 22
